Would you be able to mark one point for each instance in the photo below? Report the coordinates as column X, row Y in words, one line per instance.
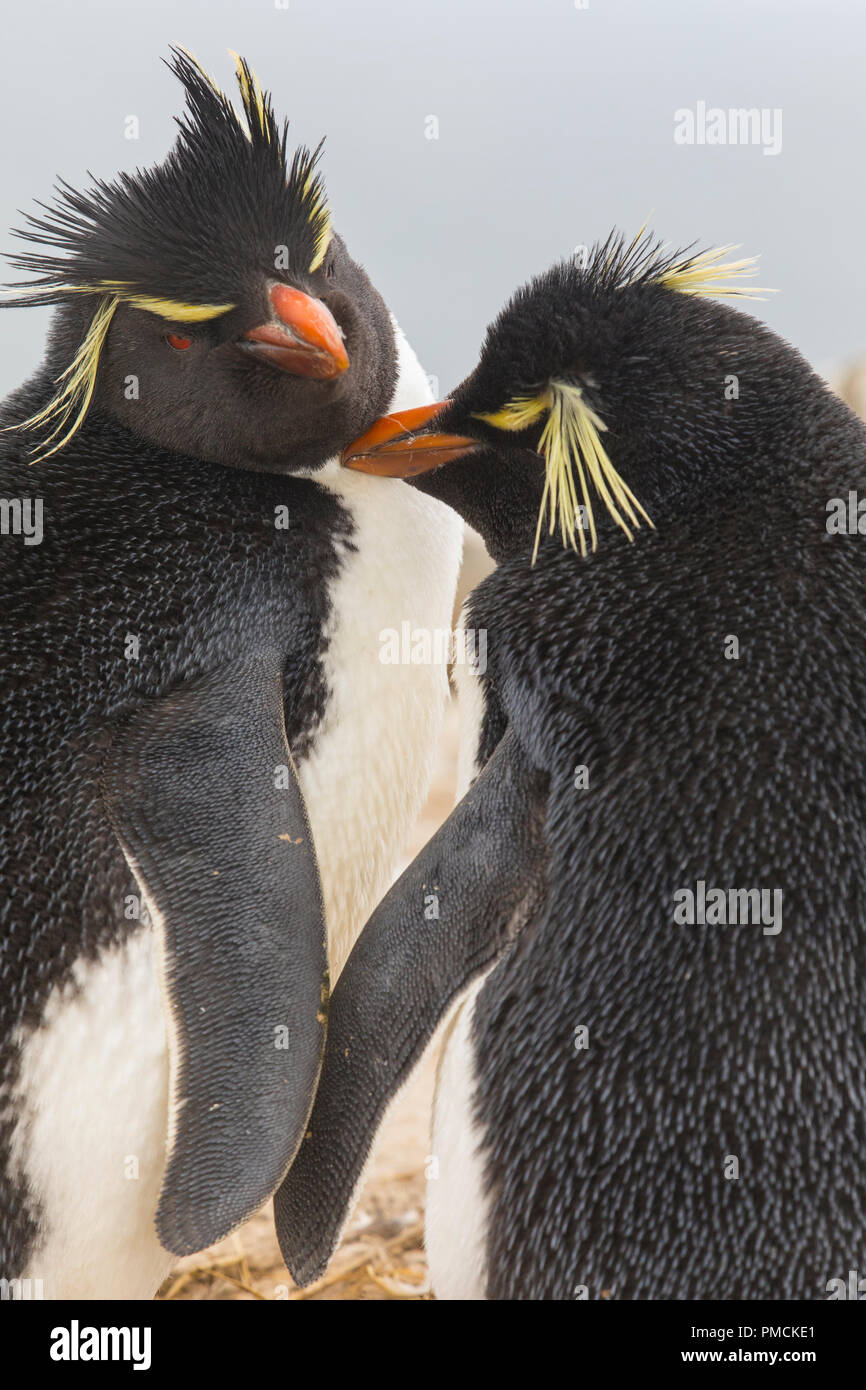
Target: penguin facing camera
column 197, row 733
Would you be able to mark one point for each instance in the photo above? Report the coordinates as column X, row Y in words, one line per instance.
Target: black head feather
column 186, row 255
column 218, row 207
column 640, row 394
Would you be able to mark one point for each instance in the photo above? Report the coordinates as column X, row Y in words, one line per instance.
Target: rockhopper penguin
column 651, row 926
column 191, row 683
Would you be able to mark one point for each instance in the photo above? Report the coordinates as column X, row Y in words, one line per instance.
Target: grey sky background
column 555, row 123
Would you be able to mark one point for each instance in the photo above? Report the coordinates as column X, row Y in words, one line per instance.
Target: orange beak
column 397, row 446
column 306, row 339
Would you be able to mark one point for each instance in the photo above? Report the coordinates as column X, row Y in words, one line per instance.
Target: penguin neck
column 411, row 387
column 499, row 494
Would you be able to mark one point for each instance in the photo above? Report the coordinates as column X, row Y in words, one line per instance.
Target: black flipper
column 397, row 985
column 225, row 860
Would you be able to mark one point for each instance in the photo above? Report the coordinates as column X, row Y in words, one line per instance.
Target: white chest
column 368, row 773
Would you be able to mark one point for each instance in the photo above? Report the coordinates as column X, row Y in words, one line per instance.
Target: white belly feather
column 457, row 1203
column 92, row 1095
column 457, row 1209
column 367, row 776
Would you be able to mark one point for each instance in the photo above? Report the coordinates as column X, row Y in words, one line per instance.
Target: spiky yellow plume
column 76, row 385
column 705, row 273
column 323, row 239
column 518, row 414
column 320, row 219
column 77, row 382
column 256, row 110
column 570, row 443
column 645, row 260
column 175, row 309
column 198, row 67
column 252, row 95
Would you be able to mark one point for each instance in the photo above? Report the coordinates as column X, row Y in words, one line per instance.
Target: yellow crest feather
column 323, row 239
column 571, row 444
column 320, row 220
column 647, row 261
column 197, row 65
column 77, row 382
column 704, row 274
column 252, row 95
column 255, row 107
column 76, row 385
column 174, row 309
column 517, row 414
column 576, row 461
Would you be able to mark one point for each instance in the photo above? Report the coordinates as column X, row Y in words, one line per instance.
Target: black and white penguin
column 191, row 684
column 651, row 925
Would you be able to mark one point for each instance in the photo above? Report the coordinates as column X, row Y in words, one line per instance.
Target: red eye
column 177, row 342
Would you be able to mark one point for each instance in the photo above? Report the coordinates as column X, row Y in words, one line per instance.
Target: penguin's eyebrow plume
column 76, row 383
column 570, row 440
column 210, row 217
column 171, row 309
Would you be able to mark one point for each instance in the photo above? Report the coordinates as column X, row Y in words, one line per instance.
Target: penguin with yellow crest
column 648, row 951
column 196, row 731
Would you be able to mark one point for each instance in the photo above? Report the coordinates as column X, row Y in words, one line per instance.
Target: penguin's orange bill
column 304, row 339
column 400, row 445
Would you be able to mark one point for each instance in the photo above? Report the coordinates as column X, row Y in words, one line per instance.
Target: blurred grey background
column 555, row 121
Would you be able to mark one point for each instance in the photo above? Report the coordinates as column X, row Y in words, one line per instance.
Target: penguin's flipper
column 406, row 968
column 204, row 797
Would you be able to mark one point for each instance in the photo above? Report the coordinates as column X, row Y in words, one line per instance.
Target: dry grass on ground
column 381, row 1255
